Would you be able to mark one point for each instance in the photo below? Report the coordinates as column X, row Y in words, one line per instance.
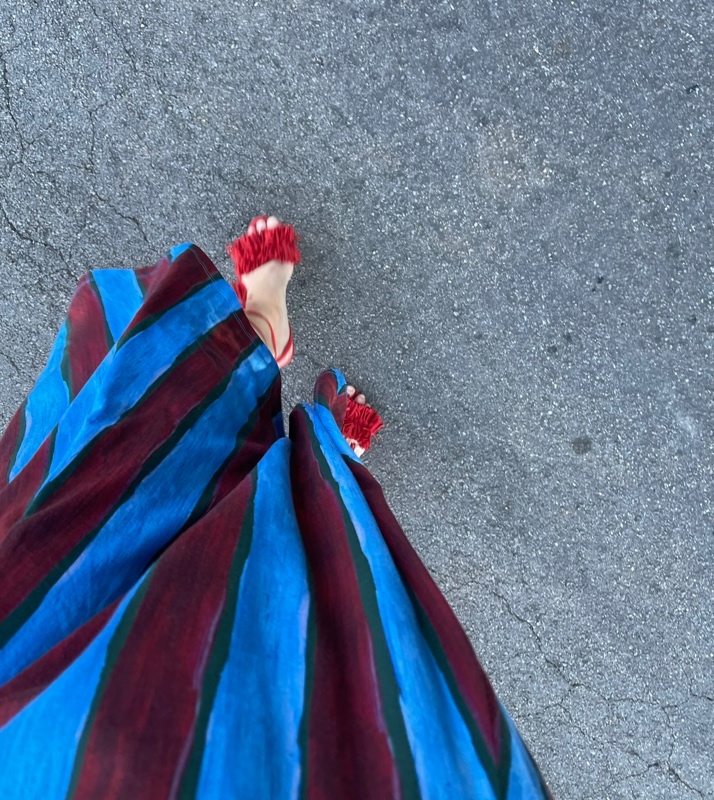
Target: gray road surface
column 507, row 216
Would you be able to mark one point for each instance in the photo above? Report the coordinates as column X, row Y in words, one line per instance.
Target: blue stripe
column 340, row 379
column 177, row 249
column 447, row 764
column 143, row 524
column 121, row 297
column 523, row 780
column 46, row 403
column 328, row 427
column 39, row 745
column 126, row 374
column 252, row 739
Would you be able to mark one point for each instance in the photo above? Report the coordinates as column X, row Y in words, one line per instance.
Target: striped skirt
column 192, row 604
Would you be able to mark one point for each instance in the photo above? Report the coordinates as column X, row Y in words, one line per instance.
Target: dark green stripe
column 18, row 443
column 388, row 686
column 220, row 649
column 141, row 286
column 204, row 502
column 130, row 332
column 113, row 650
column 107, row 333
column 304, row 730
column 65, row 367
column 497, row 773
column 66, row 377
column 62, row 478
column 14, row 621
column 50, row 456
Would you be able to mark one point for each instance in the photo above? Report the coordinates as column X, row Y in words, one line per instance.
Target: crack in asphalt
column 128, row 217
column 663, row 766
column 539, row 644
column 11, row 362
column 25, row 237
column 8, row 107
column 92, row 170
column 107, row 21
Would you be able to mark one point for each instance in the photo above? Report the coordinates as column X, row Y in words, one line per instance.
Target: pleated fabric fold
column 194, row 605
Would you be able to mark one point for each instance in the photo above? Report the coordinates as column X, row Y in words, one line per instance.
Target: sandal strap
column 272, row 332
column 286, row 356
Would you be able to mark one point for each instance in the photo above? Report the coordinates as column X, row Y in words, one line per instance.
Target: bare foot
column 265, row 304
column 360, row 398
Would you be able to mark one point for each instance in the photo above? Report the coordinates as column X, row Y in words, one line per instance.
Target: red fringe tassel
column 362, row 423
column 248, row 252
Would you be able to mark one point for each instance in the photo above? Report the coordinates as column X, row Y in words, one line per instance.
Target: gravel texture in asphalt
column 507, row 220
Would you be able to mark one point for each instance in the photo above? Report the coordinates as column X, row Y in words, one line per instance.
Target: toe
column 350, row 390
column 260, row 225
column 253, row 223
column 272, row 222
column 359, row 451
column 361, row 399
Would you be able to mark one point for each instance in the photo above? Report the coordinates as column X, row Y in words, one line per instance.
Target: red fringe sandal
column 252, row 250
column 361, row 425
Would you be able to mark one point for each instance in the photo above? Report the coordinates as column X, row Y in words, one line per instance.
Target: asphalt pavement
column 507, row 224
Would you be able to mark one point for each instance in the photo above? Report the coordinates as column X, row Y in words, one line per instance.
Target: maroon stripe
column 39, row 541
column 472, row 681
column 87, row 341
column 144, row 724
column 349, row 751
column 16, row 496
column 23, row 688
column 249, row 452
column 325, row 393
column 9, row 444
column 170, row 282
column 147, row 276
